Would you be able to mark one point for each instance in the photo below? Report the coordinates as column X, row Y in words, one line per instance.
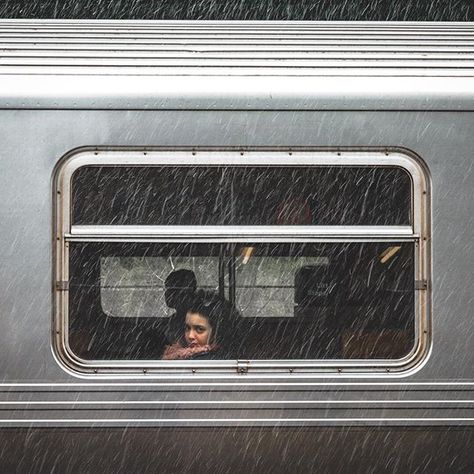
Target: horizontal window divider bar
column 281, row 240
column 239, row 233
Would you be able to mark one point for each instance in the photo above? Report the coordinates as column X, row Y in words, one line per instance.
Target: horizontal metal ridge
column 249, row 55
column 336, row 41
column 238, row 63
column 213, row 404
column 200, row 24
column 223, row 43
column 236, row 48
column 254, row 71
column 436, row 36
column 260, row 29
column 248, row 29
column 151, row 47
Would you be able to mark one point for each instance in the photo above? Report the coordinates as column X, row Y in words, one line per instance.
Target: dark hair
column 219, row 313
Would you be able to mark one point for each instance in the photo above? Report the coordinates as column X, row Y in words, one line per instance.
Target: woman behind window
column 208, row 329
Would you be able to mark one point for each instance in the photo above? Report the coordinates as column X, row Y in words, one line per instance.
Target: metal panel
column 257, row 65
column 368, row 85
column 115, row 90
column 33, row 142
column 339, row 124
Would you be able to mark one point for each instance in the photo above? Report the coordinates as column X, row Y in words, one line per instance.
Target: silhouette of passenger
column 180, row 288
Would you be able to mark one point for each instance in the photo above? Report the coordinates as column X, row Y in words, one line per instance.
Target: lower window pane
column 133, row 301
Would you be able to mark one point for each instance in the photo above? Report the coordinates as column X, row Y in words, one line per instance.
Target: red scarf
column 178, row 352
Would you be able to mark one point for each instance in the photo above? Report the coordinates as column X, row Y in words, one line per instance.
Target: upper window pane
column 241, row 195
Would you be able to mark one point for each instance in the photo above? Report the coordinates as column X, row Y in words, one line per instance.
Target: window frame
column 417, row 232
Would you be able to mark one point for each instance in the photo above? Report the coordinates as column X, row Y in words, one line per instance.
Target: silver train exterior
column 122, row 93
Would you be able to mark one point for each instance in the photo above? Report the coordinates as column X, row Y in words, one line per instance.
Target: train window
column 294, row 301
column 312, row 261
column 191, row 195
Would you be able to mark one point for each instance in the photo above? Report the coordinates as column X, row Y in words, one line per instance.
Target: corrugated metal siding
column 315, row 48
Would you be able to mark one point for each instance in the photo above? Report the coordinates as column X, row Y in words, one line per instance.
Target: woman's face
column 197, row 330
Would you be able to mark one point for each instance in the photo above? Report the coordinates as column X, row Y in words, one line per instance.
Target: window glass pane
column 265, row 286
column 241, row 195
column 291, row 301
column 134, row 287
column 326, row 300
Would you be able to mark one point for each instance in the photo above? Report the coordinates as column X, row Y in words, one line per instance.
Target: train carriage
column 316, row 177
